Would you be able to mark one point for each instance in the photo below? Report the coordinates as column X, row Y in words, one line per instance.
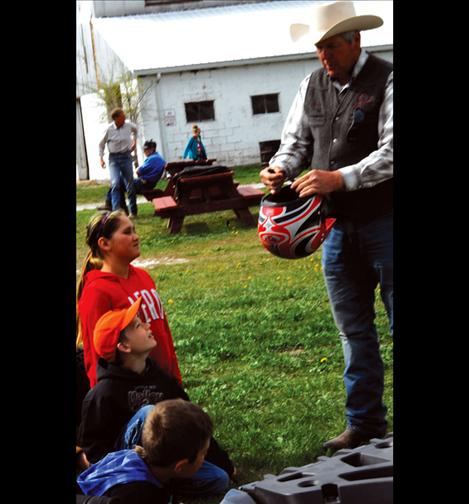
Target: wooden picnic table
column 202, row 193
column 173, row 168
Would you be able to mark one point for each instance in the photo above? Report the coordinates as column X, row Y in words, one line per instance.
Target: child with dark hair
column 175, row 439
column 129, row 384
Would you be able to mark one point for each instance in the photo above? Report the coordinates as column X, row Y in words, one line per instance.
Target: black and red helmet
column 292, row 227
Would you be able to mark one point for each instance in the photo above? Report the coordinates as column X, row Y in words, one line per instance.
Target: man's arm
column 378, row 165
column 296, row 148
column 102, row 144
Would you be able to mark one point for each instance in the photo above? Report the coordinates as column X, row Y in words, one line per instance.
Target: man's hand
column 273, row 178
column 133, row 145
column 103, row 164
column 318, row 182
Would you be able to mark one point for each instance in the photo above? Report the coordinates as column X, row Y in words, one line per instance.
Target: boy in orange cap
column 129, row 384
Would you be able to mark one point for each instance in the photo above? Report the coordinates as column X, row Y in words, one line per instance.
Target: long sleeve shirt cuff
column 351, row 178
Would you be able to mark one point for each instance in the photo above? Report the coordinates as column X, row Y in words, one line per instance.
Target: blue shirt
column 116, row 468
column 152, row 168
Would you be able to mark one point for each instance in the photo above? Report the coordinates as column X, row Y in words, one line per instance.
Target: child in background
column 195, row 148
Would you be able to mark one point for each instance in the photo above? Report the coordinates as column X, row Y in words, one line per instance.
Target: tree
column 124, row 93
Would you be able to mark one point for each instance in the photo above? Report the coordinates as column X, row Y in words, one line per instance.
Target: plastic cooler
column 363, row 475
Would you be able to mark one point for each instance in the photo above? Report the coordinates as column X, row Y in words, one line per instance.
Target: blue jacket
column 116, row 468
column 191, row 149
column 152, row 168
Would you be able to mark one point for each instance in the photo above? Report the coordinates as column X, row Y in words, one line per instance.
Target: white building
column 85, row 82
column 232, row 69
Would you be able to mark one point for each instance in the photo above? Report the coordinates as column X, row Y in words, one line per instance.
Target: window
column 268, row 149
column 199, row 111
column 264, row 104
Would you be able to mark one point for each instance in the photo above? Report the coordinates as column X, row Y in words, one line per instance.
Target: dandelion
column 323, row 360
column 170, row 301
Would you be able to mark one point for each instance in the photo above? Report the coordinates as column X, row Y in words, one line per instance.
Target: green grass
column 254, row 335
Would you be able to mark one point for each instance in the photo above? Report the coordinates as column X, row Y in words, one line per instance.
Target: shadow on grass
column 197, row 228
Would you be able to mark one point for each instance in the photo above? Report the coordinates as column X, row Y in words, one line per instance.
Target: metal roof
column 234, row 34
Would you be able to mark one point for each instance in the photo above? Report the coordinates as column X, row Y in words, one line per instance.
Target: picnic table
column 172, row 168
column 195, row 190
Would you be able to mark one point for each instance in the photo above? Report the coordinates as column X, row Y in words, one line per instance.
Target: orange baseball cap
column 108, row 328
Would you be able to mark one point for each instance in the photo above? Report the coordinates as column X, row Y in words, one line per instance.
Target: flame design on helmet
column 293, row 229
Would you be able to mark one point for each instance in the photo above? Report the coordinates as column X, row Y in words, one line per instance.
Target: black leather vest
column 345, row 130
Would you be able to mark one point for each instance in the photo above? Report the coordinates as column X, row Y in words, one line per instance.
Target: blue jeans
column 147, row 185
column 120, row 167
column 356, row 258
column 209, row 479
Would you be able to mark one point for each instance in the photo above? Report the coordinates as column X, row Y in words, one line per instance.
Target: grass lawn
column 254, row 335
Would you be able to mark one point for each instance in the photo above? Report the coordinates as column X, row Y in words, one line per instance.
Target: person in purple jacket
column 151, row 170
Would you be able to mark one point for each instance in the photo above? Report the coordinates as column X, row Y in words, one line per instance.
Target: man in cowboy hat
column 340, row 127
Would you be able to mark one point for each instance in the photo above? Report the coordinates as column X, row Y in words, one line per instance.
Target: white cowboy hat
column 331, row 19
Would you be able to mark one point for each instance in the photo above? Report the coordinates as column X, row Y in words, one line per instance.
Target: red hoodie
column 105, row 291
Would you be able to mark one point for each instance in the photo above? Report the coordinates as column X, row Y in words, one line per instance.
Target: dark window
column 268, row 149
column 199, row 111
column 264, row 104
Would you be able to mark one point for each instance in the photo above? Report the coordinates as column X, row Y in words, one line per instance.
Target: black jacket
column 112, row 402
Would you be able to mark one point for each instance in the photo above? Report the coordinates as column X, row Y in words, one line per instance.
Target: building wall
column 86, row 75
column 233, row 136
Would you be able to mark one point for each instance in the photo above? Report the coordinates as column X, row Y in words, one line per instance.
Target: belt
column 119, row 153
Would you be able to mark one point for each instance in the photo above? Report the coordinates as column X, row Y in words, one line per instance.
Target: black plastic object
column 363, row 475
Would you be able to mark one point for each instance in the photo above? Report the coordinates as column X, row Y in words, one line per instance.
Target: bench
column 151, row 194
column 205, row 194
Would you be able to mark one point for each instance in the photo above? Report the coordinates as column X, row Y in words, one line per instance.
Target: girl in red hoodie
column 108, row 282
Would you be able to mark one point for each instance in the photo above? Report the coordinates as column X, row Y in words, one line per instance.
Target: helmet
column 292, row 227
